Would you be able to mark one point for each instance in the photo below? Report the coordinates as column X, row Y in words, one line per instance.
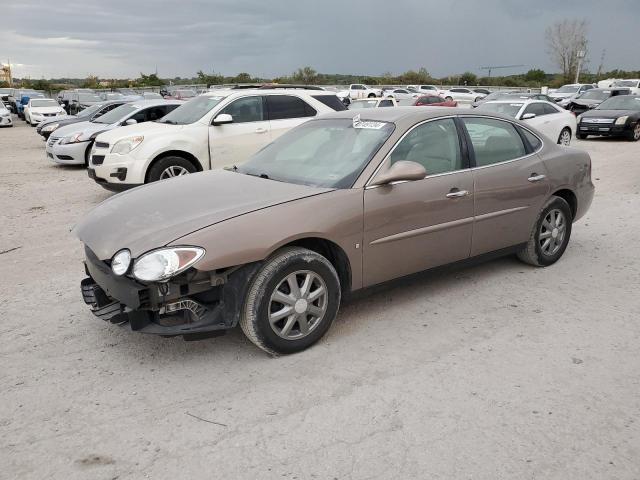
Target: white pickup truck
column 358, row 90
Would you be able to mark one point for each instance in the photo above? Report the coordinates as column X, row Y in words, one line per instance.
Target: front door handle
column 261, row 130
column 536, row 178
column 455, row 193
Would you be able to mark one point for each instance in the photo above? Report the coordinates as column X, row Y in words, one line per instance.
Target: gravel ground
column 496, row 371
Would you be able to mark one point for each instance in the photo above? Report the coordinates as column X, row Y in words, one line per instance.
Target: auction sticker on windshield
column 357, row 123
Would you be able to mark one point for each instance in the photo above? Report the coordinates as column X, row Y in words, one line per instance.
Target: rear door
column 412, row 226
column 510, row 183
column 286, row 112
column 233, row 143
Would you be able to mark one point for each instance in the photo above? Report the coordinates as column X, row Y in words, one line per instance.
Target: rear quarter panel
column 570, row 168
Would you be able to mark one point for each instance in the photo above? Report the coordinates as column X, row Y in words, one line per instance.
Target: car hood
column 87, row 128
column 561, row 95
column 154, row 215
column 47, row 110
column 584, row 101
column 609, row 113
column 138, row 129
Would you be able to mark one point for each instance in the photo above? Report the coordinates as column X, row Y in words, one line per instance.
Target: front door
column 233, row 143
column 510, row 181
column 412, row 226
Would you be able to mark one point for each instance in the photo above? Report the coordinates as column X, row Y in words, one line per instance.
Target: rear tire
column 371, row 95
column 565, row 137
column 291, row 301
column 550, row 234
column 168, row 167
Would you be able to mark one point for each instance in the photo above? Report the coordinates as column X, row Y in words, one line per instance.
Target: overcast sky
column 121, row 38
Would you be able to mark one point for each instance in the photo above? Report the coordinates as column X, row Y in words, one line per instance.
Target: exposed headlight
column 120, row 262
column 579, row 118
column 124, row 146
column 75, row 138
column 159, row 265
column 622, row 120
column 51, row 127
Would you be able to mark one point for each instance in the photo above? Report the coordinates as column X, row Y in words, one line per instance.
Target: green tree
column 306, row 75
column 209, row 79
column 535, row 75
column 468, row 78
column 150, row 80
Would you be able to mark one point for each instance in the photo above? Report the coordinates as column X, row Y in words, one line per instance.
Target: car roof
column 154, row 102
column 398, row 114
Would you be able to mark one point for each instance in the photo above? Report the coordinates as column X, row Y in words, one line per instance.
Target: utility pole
column 581, row 54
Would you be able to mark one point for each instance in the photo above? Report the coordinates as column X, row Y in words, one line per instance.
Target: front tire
column 291, row 302
column 634, row 135
column 581, row 136
column 448, row 99
column 550, row 234
column 169, row 167
column 565, row 137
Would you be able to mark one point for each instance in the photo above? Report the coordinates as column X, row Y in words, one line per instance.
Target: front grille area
column 97, row 159
column 102, row 145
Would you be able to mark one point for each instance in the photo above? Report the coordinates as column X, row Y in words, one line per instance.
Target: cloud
column 121, row 38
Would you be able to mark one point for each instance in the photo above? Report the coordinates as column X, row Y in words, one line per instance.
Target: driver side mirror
column 403, row 170
column 222, row 119
column 527, row 116
column 131, row 121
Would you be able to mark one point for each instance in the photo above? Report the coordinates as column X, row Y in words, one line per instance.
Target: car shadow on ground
column 452, row 279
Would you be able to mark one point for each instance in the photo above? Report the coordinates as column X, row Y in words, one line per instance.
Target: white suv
column 217, row 129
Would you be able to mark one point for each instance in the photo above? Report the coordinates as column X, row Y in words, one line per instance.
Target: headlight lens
column 622, row 120
column 75, row 138
column 159, row 265
column 51, row 127
column 579, row 119
column 124, row 146
column 120, row 262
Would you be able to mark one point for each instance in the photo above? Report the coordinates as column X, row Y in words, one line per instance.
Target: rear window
column 331, row 101
column 287, row 106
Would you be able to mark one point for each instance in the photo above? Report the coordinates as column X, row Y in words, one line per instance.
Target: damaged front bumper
column 191, row 304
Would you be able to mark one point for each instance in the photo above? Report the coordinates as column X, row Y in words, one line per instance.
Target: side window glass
column 535, row 108
column 155, row 113
column 531, row 138
column 247, row 109
column 549, row 109
column 139, row 116
column 288, row 106
column 385, row 103
column 493, row 141
column 434, row 145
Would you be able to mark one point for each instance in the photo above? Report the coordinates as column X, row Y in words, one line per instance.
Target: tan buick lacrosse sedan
column 335, row 205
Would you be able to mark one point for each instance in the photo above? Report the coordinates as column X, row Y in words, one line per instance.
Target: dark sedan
column 48, row 126
column 616, row 117
column 594, row 97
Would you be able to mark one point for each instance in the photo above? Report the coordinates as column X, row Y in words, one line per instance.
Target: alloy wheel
column 636, row 132
column 552, row 232
column 298, row 305
column 173, row 171
column 565, row 138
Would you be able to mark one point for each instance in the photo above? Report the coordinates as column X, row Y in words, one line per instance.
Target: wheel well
column 174, row 153
column 569, row 197
column 332, row 252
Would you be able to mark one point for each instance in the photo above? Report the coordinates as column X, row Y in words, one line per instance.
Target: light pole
column 581, row 54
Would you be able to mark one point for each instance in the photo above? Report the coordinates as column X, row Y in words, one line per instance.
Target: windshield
column 112, row 96
column 621, row 102
column 151, row 95
column 595, row 95
column 89, row 111
column 88, row 97
column 44, row 103
column 626, row 83
column 192, row 111
column 508, row 109
column 116, row 114
column 567, row 89
column 320, row 153
column 363, row 104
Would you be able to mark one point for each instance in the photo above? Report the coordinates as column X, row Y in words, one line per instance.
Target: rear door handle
column 536, row 178
column 261, row 130
column 455, row 193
